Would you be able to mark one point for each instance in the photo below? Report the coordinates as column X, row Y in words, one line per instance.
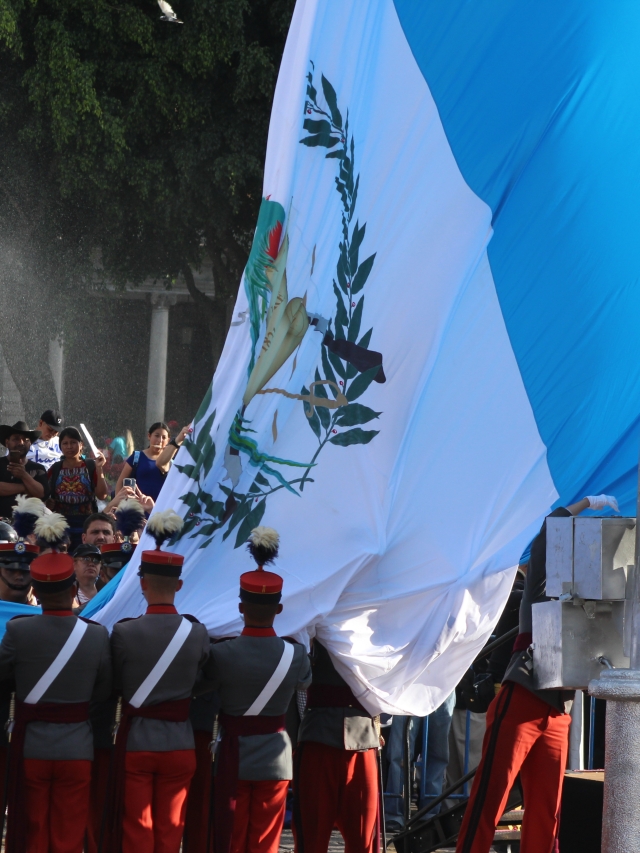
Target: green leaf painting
column 332, row 101
column 355, row 413
column 353, row 436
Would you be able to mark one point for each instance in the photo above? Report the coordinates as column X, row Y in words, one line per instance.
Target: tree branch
column 198, row 296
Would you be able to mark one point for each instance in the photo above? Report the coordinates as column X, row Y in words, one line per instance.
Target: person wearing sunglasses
column 87, row 561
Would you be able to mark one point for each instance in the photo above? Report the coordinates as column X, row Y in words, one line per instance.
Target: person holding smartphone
column 140, row 469
column 19, row 475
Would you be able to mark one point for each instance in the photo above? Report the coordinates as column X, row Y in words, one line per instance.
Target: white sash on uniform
column 55, row 668
column 166, row 659
column 274, row 682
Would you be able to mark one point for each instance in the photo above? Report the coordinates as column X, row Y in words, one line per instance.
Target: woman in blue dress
column 141, row 465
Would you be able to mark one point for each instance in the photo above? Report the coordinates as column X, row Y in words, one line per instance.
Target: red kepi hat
column 260, row 586
column 162, row 525
column 52, row 572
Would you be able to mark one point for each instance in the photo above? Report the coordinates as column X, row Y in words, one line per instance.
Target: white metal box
column 588, row 557
column 568, row 642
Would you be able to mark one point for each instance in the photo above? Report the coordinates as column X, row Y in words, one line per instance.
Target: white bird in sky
column 167, row 13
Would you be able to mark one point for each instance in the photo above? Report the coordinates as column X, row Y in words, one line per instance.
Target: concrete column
column 158, row 343
column 56, row 364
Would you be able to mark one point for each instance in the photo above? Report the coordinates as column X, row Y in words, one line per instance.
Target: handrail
column 499, row 641
column 443, row 796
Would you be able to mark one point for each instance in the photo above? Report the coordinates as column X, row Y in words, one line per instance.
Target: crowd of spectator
column 53, row 464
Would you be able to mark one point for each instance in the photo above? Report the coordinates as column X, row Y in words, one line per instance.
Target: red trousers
column 524, row 735
column 335, row 787
column 155, row 799
column 57, row 805
column 259, row 816
column 99, row 785
column 196, row 825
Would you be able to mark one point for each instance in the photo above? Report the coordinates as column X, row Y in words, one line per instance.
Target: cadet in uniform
column 527, row 730
column 156, row 659
column 256, row 675
column 335, row 769
column 59, row 662
column 129, row 518
column 198, row 820
column 16, row 556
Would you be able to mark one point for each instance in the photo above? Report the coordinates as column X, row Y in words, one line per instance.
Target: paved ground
column 286, row 842
column 337, row 844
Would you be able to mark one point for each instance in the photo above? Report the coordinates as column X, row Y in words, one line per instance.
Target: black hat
column 87, row 550
column 20, row 426
column 52, row 418
column 116, row 555
column 17, row 555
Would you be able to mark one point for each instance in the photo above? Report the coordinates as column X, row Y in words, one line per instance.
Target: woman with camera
column 140, row 469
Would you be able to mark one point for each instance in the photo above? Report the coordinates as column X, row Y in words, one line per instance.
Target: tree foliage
column 130, row 148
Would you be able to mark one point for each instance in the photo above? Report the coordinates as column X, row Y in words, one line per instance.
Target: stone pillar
column 621, row 810
column 56, row 365
column 158, row 343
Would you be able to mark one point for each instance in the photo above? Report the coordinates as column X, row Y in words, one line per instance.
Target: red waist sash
column 522, row 642
column 333, row 696
column 44, row 712
column 228, row 766
column 176, row 711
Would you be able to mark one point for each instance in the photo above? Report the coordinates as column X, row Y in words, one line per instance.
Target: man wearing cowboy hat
column 19, row 476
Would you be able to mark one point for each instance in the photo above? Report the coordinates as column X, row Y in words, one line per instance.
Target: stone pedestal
column 158, row 343
column 621, row 813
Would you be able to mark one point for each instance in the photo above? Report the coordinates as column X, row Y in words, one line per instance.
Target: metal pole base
column 621, row 811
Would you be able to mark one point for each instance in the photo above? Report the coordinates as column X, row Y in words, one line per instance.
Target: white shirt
column 45, row 452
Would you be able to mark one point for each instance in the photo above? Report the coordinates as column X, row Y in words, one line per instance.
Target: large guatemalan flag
column 436, row 338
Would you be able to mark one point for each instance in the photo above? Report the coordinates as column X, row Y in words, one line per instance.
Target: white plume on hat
column 265, row 537
column 162, row 525
column 52, row 527
column 30, row 506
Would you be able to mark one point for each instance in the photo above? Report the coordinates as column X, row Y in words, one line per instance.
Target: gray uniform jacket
column 241, row 668
column 520, row 669
column 346, row 727
column 136, row 646
column 28, row 648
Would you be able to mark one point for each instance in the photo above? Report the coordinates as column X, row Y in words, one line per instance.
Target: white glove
column 600, row 501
